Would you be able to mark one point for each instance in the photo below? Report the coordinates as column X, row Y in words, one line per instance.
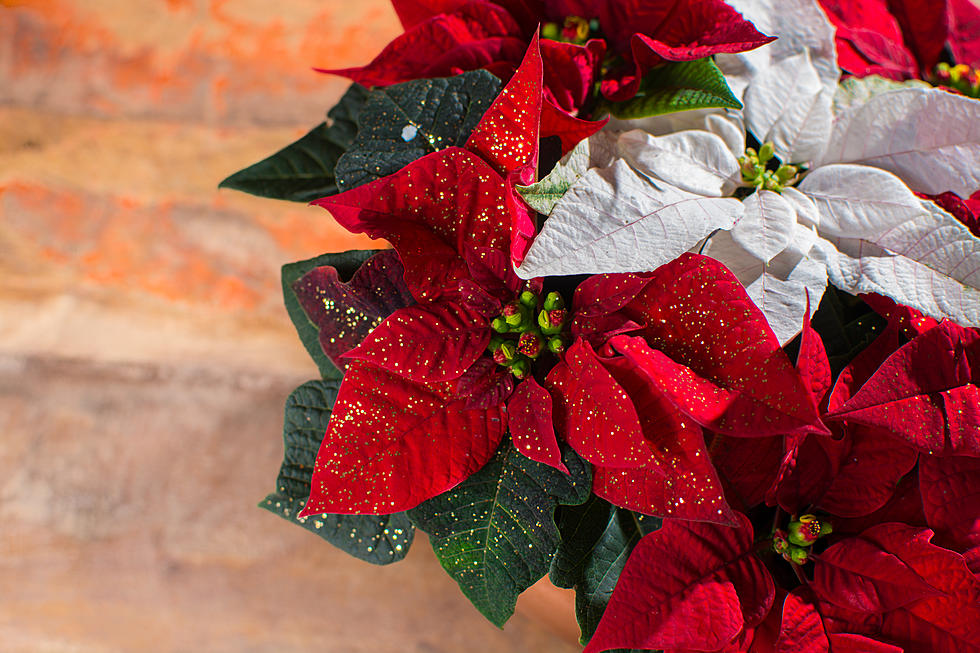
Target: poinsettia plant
column 680, row 310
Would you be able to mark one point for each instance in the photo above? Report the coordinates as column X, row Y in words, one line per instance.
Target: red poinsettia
column 903, row 39
column 609, row 41
column 658, row 357
column 423, row 404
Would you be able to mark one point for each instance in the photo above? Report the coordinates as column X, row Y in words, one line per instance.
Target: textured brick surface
column 144, row 352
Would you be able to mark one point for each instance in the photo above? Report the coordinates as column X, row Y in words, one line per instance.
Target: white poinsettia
column 849, row 217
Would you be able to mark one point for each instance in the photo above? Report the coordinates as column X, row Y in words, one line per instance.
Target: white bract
column 852, row 220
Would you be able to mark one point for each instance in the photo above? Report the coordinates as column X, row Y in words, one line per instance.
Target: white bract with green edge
column 829, row 197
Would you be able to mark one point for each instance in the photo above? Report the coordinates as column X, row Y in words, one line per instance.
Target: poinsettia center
column 764, row 171
column 795, row 542
column 961, row 78
column 526, row 328
column 574, row 29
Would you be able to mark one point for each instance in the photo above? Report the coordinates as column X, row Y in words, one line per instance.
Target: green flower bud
column 786, row 172
column 798, row 555
column 529, row 299
column 806, row 531
column 521, row 368
column 551, row 31
column 556, row 346
column 766, row 152
column 500, row 325
column 553, row 301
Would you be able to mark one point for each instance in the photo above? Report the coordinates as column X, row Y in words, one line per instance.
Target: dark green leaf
column 596, row 540
column 304, row 170
column 846, row 326
column 404, row 122
column 346, row 264
column 378, row 539
column 495, row 532
column 677, row 86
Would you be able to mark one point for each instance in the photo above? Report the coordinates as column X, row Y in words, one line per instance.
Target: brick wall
column 144, row 352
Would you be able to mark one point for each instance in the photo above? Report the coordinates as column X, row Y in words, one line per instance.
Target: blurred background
column 144, row 352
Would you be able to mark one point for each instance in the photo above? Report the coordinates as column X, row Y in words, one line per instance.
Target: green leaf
column 678, row 86
column 346, row 264
column 596, row 540
column 404, row 122
column 378, row 539
column 495, row 532
column 304, row 171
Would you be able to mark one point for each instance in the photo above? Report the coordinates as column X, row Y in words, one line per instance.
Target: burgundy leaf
column 345, row 312
column 485, row 384
column 392, row 443
column 531, row 427
column 434, row 341
column 688, row 585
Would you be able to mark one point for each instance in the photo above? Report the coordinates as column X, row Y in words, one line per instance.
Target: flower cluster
column 717, row 370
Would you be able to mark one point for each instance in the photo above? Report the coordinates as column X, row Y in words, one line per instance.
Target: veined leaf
column 495, row 532
column 614, row 220
column 676, row 86
column 597, row 151
column 597, row 538
column 404, row 122
column 304, row 170
column 346, row 264
column 378, row 539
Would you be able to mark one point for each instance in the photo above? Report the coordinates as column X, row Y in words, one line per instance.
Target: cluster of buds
column 755, row 173
column 537, row 326
column 574, row 30
column 794, row 543
column 960, row 77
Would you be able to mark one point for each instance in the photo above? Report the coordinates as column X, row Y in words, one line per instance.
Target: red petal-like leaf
column 392, row 443
column 859, row 574
column 849, row 643
column 905, row 506
column 594, row 413
column 964, row 31
column 712, row 353
column 345, row 312
column 531, row 427
column 434, row 341
column 687, row 585
column 475, row 35
column 570, row 71
column 507, row 134
column 806, row 471
column 940, row 624
column 908, row 320
column 924, row 25
column 871, row 465
column 924, row 394
column 864, row 365
column 812, row 361
column 950, row 490
column 569, row 129
column 434, row 211
column 801, row 629
column 869, row 40
column 485, row 384
column 679, row 481
column 413, row 12
column 747, row 466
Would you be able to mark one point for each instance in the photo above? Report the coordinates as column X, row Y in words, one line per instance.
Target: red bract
column 657, row 357
column 950, row 490
column 903, row 39
column 686, row 586
column 947, row 621
column 925, row 393
column 444, row 38
column 419, row 409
